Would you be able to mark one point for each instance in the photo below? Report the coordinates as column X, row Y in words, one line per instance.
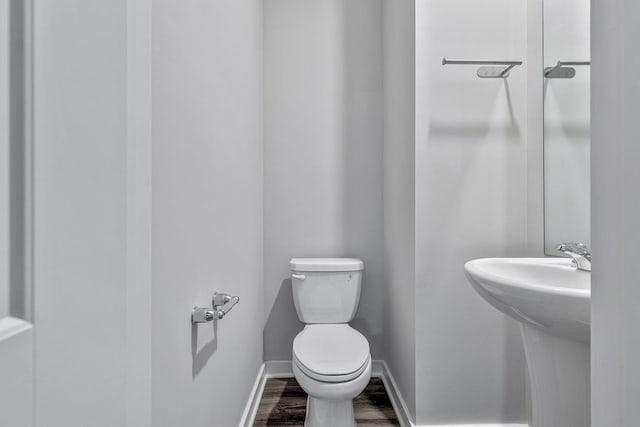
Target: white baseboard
column 250, row 410
column 397, row 401
column 379, row 369
column 278, row 369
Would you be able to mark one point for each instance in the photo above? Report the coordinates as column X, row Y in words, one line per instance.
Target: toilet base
column 335, row 413
column 331, row 404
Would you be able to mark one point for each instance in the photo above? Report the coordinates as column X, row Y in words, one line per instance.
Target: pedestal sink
column 550, row 299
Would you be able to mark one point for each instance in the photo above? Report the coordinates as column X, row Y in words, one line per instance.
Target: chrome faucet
column 579, row 252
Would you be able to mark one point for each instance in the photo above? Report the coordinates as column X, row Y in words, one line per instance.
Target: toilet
column 331, row 360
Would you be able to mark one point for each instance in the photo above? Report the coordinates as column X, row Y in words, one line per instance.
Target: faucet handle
column 579, row 252
column 574, row 248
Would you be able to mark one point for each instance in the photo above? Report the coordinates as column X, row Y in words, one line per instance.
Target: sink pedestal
column 559, row 374
column 550, row 299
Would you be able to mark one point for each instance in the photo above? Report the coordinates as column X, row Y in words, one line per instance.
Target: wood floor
column 284, row 403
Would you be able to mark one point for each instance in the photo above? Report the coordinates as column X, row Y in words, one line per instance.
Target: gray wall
column 323, row 153
column 207, row 207
column 114, row 342
column 471, row 202
column 80, row 226
column 399, row 194
column 4, row 157
column 615, row 209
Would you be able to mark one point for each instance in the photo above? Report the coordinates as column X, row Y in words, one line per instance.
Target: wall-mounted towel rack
column 563, row 69
column 490, row 70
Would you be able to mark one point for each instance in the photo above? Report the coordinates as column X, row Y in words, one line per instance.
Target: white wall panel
column 471, row 202
column 207, row 207
column 615, row 209
column 80, row 212
column 399, row 195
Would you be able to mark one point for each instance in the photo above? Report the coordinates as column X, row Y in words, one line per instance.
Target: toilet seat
column 330, row 378
column 331, row 352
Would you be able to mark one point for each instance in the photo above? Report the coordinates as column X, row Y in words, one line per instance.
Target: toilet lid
column 331, row 350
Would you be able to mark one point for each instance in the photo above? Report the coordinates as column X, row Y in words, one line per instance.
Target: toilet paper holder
column 222, row 304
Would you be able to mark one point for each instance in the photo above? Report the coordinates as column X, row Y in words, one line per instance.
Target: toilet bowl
column 332, row 363
column 331, row 360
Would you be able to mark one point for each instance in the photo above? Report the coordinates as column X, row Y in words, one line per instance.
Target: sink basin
column 550, row 299
column 548, row 293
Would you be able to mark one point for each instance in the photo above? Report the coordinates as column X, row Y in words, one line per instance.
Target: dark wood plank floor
column 284, row 403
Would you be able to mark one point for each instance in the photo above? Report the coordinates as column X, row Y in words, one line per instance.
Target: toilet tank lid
column 326, row 264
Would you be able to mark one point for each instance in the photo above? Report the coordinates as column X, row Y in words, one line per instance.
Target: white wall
column 80, row 215
column 139, row 213
column 615, row 209
column 566, row 125
column 399, row 194
column 471, row 202
column 323, row 154
column 95, row 304
column 207, row 207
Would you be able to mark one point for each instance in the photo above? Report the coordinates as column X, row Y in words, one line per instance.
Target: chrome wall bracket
column 222, row 304
column 202, row 315
column 563, row 69
column 490, row 70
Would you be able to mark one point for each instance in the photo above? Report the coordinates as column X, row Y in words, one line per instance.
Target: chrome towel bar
column 492, row 69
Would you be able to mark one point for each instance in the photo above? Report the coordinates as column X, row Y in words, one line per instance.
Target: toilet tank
column 326, row 290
